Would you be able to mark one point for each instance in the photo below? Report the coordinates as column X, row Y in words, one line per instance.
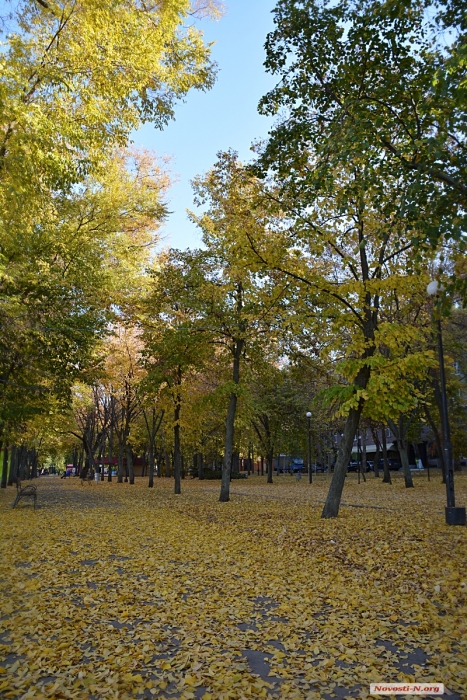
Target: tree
column 174, row 346
column 365, row 85
column 75, row 210
column 346, row 251
column 241, row 301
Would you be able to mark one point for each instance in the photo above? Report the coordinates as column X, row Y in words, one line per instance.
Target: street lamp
column 454, row 516
column 310, row 475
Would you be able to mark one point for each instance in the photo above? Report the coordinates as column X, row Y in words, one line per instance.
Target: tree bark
column 229, row 425
column 151, row 464
column 439, row 446
column 331, row 507
column 387, row 473
column 129, row 464
column 111, row 452
column 5, row 468
column 374, row 432
column 10, row 481
column 121, row 448
column 177, row 452
column 399, row 432
column 200, row 466
column 270, row 464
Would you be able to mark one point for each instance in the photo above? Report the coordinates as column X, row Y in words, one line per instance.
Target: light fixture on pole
column 310, row 475
column 454, row 516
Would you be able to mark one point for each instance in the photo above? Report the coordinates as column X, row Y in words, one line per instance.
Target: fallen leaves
column 138, row 593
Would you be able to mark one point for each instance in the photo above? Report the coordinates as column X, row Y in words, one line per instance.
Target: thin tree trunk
column 201, row 466
column 177, row 452
column 374, row 432
column 229, row 426
column 399, row 431
column 439, row 447
column 151, row 464
column 387, row 473
column 331, row 507
column 111, row 454
column 120, row 461
column 5, row 468
column 129, row 464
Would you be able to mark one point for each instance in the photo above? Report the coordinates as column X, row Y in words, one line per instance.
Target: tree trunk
column 331, row 507
column 5, row 468
column 200, row 466
column 111, row 454
column 151, row 464
column 177, row 452
column 387, row 473
column 121, row 453
column 399, row 431
column 262, row 465
column 129, row 464
column 270, row 466
column 405, row 463
column 374, row 432
column 167, row 463
column 34, row 464
column 11, row 473
column 229, row 426
column 439, row 446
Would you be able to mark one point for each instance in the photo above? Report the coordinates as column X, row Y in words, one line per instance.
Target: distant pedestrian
column 298, row 474
column 96, row 475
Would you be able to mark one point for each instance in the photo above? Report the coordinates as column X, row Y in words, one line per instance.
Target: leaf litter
column 141, row 593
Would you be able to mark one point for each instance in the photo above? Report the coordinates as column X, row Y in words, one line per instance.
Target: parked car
column 319, row 468
column 394, row 464
column 353, row 467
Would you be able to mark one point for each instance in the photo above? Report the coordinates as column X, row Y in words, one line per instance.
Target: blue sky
column 225, row 117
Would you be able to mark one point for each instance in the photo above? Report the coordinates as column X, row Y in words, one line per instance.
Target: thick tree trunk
column 5, row 468
column 229, row 426
column 13, row 463
column 405, row 463
column 129, row 464
column 331, row 507
column 177, row 451
column 270, row 465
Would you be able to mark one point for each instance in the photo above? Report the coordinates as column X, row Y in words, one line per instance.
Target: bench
column 29, row 491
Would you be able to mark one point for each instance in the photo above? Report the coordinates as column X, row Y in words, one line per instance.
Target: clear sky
column 225, row 117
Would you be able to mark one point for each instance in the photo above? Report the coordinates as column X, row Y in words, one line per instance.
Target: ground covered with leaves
column 118, row 591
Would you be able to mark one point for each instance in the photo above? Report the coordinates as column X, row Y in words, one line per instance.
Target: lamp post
column 454, row 516
column 359, row 455
column 310, row 474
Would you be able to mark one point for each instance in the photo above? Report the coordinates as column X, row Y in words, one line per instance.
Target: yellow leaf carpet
column 119, row 591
